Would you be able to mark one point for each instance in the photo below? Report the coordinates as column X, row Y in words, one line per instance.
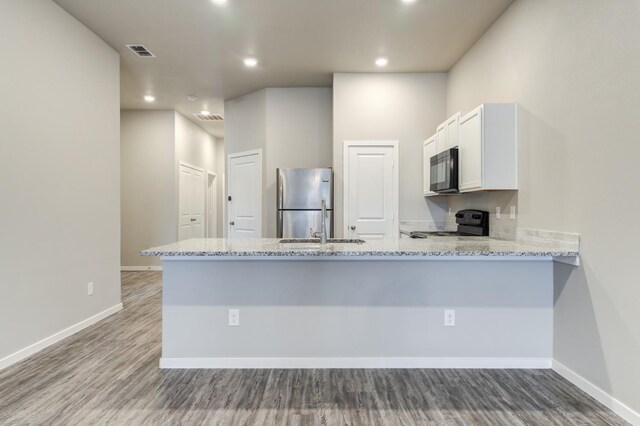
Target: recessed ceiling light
column 408, row 1
column 250, row 62
column 220, row 2
column 205, row 112
column 192, row 98
column 381, row 62
column 149, row 98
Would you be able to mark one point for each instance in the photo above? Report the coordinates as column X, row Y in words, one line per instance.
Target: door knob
column 232, row 223
column 353, row 227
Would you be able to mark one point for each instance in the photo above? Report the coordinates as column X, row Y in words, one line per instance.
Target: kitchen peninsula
column 377, row 304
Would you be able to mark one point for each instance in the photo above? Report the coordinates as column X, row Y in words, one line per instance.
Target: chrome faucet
column 323, row 224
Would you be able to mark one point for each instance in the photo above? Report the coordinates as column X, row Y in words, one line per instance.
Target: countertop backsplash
column 407, row 226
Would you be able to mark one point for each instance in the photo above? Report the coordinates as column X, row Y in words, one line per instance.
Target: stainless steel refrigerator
column 299, row 202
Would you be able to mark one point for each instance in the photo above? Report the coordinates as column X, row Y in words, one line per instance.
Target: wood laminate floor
column 108, row 374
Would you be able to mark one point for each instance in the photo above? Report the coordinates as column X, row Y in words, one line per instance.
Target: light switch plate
column 513, row 212
column 498, row 212
column 90, row 288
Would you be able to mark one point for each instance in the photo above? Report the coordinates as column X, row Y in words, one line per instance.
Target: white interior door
column 371, row 190
column 191, row 202
column 245, row 195
column 212, row 205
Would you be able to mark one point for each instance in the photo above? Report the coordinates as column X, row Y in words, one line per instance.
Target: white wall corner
column 55, row 338
column 597, row 393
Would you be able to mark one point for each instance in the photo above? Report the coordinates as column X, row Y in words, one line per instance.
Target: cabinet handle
column 232, row 223
column 353, row 227
column 193, row 220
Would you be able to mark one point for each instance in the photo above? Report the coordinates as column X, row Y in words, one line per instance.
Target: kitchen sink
column 317, row 241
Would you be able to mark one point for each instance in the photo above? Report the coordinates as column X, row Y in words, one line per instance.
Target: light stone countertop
column 429, row 247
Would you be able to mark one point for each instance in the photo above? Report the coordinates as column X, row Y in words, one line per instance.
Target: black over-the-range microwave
column 444, row 172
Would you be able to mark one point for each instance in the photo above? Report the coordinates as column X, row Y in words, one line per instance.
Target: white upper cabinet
column 488, row 148
column 429, row 149
column 447, row 133
column 451, row 129
column 441, row 138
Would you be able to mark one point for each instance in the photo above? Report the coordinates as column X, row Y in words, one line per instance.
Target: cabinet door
column 470, row 150
column 428, row 151
column 441, row 138
column 451, row 130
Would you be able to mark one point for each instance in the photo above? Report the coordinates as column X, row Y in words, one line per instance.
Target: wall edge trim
column 597, row 393
column 56, row 337
column 356, row 362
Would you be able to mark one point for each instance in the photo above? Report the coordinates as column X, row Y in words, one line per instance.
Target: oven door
column 444, row 171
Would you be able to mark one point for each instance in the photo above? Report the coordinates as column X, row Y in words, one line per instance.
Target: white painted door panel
column 441, row 138
column 190, row 203
column 428, row 150
column 212, row 206
column 245, row 190
column 452, row 125
column 197, row 205
column 470, row 150
column 371, row 192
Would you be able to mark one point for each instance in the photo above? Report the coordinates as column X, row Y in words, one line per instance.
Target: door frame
column 230, row 157
column 204, row 173
column 345, row 178
column 212, row 202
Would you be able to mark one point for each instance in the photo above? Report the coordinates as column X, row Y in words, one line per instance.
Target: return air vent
column 141, row 51
column 209, row 117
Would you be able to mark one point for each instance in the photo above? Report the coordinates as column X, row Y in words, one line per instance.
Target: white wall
column 245, row 129
column 153, row 145
column 193, row 145
column 298, row 135
column 149, row 216
column 404, row 107
column 197, row 148
column 59, row 173
column 292, row 127
column 574, row 67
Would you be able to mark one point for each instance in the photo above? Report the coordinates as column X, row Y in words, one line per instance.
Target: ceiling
column 200, row 44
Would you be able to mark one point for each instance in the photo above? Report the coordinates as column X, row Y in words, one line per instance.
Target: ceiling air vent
column 209, row 117
column 141, row 51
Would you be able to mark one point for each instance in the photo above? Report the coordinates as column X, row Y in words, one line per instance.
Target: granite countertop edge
column 524, row 251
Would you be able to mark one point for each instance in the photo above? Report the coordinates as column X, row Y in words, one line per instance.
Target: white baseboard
column 140, row 268
column 598, row 394
column 55, row 338
column 529, row 363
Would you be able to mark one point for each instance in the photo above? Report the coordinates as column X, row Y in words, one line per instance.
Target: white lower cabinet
column 429, row 149
column 487, row 143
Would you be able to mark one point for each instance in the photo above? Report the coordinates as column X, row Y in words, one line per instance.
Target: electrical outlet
column 450, row 211
column 234, row 317
column 498, row 212
column 449, row 318
column 513, row 212
column 90, row 288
